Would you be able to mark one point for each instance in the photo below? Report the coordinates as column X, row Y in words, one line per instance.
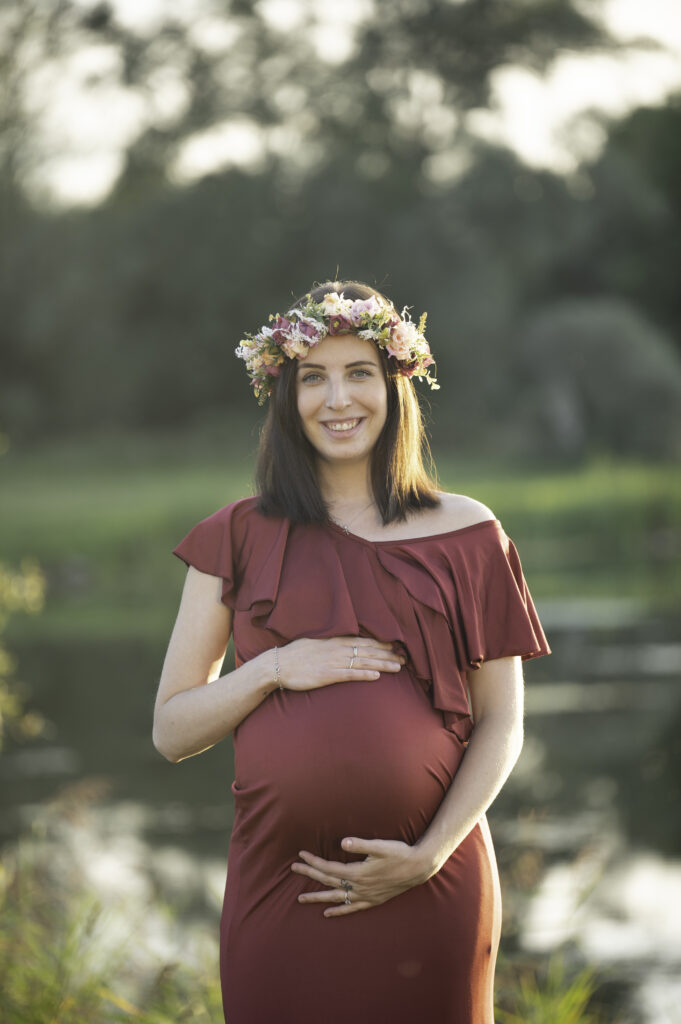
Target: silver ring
column 354, row 652
column 345, row 884
column 347, row 898
column 351, row 661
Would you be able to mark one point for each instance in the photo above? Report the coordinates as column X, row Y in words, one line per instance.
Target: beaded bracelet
column 277, row 677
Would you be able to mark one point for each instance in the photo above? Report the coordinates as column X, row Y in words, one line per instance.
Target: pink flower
column 403, row 339
column 272, row 371
column 340, row 325
column 280, row 329
column 309, row 330
column 361, row 306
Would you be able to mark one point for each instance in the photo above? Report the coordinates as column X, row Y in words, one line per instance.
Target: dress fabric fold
column 371, row 759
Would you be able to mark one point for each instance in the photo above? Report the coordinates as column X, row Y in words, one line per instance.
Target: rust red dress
column 371, row 759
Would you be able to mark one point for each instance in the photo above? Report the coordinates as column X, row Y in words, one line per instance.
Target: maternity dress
column 371, row 759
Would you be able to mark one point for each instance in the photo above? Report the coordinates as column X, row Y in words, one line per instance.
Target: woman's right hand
column 307, row 664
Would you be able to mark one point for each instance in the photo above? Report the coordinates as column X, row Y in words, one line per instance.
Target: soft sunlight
column 85, row 118
column 238, row 142
column 553, row 121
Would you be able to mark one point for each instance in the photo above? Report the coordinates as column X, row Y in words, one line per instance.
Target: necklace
column 344, row 526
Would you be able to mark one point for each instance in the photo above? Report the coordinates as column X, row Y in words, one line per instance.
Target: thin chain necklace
column 344, row 526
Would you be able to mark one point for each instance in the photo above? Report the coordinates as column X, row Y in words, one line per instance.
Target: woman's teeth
column 346, row 425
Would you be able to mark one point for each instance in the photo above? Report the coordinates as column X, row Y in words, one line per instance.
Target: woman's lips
column 348, row 432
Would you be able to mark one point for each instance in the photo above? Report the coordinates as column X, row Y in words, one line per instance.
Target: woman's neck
column 345, row 487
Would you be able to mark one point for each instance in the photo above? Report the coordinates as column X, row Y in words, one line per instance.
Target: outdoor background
column 171, row 174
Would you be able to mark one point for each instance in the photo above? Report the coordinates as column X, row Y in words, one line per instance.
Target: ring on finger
column 352, row 661
column 354, row 651
column 347, row 898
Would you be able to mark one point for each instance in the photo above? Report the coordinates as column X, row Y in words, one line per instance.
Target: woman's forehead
column 338, row 349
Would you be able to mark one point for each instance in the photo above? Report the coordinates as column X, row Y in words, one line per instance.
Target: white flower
column 295, row 348
column 334, row 304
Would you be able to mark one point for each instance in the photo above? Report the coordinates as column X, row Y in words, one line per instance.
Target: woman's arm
column 496, row 690
column 190, row 716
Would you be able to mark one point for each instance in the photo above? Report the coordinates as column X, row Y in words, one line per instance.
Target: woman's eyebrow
column 320, row 366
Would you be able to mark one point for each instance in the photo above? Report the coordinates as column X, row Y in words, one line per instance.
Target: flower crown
column 293, row 335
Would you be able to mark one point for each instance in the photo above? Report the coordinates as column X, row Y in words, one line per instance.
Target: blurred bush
column 601, row 378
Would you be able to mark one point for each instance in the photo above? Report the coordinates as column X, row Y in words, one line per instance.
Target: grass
column 551, row 996
column 54, row 968
column 102, row 515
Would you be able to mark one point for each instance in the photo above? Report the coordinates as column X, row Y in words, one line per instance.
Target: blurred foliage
column 52, row 966
column 552, row 996
column 546, row 295
column 238, row 63
column 21, row 591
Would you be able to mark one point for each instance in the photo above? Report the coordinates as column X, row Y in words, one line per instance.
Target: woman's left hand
column 390, row 868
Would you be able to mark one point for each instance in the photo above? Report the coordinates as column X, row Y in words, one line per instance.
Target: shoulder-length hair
column 286, row 473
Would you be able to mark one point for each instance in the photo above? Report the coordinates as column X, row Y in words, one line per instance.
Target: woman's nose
column 337, row 396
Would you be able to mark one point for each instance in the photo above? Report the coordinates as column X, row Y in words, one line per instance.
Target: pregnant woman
column 376, row 705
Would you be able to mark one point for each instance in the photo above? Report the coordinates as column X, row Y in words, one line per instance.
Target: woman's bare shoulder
column 457, row 511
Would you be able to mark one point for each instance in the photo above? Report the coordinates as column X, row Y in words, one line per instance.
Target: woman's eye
column 312, row 378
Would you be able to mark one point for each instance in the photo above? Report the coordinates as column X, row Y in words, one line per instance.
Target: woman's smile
column 343, row 428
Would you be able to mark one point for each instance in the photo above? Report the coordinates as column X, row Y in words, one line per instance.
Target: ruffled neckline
column 452, row 600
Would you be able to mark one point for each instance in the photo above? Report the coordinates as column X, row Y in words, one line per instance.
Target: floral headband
column 293, row 335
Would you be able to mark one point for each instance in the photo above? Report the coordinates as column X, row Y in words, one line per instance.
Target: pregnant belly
column 364, row 758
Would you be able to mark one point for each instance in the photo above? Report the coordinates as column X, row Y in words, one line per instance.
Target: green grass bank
column 101, row 516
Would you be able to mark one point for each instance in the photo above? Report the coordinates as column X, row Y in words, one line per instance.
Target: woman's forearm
column 194, row 720
column 492, row 751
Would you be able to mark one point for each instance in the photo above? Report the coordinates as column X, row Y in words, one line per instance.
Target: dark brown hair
column 286, row 475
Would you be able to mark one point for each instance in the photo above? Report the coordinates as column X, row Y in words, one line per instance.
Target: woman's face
column 342, row 397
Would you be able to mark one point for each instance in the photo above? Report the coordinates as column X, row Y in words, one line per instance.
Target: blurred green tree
column 127, row 315
column 626, row 238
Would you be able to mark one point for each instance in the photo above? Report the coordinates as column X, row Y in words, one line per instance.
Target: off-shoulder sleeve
column 499, row 616
column 212, row 546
